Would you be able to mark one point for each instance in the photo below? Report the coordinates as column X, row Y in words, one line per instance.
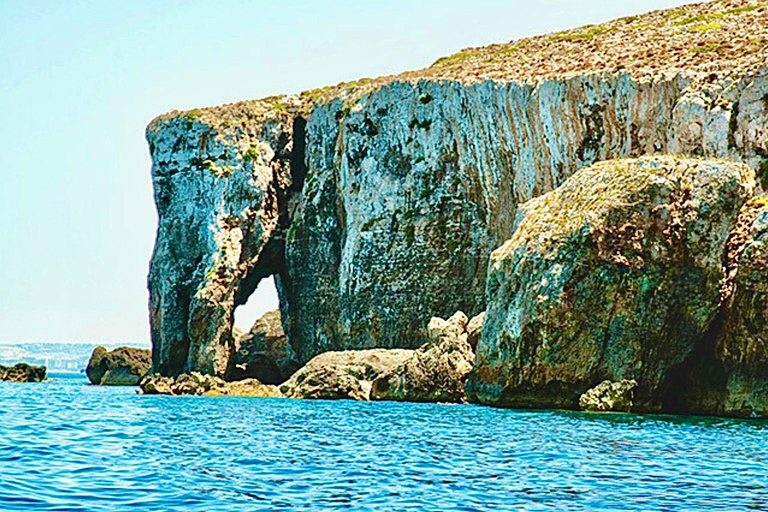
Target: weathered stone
column 22, row 372
column 246, row 388
column 123, row 366
column 728, row 375
column 217, row 175
column 199, row 384
column 263, row 353
column 155, row 384
column 475, row 330
column 412, row 181
column 344, row 374
column 615, row 275
column 436, row 371
column 742, row 344
column 609, row 397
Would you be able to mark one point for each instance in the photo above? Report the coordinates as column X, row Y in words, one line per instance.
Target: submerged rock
column 198, row 384
column 615, row 275
column 343, row 374
column 123, row 366
column 263, row 353
column 22, row 372
column 436, row 371
column 609, row 397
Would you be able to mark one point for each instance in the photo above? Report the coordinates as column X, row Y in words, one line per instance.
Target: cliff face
column 410, row 189
column 377, row 205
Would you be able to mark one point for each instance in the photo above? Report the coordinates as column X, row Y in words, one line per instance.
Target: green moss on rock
column 614, row 275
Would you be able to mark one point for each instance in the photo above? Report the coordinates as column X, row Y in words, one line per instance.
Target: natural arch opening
column 261, row 300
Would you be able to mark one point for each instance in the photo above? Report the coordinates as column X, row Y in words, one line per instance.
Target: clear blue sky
column 79, row 81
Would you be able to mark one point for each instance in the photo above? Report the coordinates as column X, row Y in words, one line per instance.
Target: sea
column 69, row 446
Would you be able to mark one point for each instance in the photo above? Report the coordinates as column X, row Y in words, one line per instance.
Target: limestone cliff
column 376, row 204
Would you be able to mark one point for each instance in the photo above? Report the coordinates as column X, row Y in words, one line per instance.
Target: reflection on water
column 65, row 445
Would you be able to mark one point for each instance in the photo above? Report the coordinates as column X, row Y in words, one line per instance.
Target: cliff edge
column 376, row 204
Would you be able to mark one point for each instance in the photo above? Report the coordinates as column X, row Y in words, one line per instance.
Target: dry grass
column 724, row 36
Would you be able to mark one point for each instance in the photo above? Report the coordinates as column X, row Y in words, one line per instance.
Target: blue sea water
column 67, row 446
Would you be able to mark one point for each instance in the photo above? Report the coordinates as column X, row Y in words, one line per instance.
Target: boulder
column 614, row 275
column 123, row 366
column 343, row 374
column 475, row 330
column 263, row 353
column 436, row 371
column 609, row 397
column 199, row 384
column 22, row 372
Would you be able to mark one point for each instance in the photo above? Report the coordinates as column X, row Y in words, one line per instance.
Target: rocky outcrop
column 376, row 204
column 123, row 366
column 727, row 375
column 742, row 343
column 218, row 175
column 609, row 397
column 22, row 372
column 615, row 275
column 344, row 374
column 263, row 353
column 436, row 371
column 198, row 384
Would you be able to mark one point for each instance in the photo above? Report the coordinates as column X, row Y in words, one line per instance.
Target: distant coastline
column 58, row 357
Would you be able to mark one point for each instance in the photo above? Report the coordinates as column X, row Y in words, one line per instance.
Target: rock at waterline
column 343, row 374
column 22, row 372
column 198, row 384
column 614, row 275
column 729, row 375
column 742, row 344
column 436, row 371
column 609, row 397
column 123, row 366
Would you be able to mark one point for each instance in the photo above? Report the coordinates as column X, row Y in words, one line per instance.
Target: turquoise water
column 67, row 446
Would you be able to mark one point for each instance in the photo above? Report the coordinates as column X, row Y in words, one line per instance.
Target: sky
column 80, row 80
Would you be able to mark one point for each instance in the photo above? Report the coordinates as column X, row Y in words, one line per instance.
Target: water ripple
column 66, row 446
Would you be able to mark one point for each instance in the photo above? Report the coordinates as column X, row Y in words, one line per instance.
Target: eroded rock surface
column 22, row 372
column 199, row 384
column 343, row 374
column 615, row 275
column 609, row 397
column 377, row 203
column 218, row 176
column 742, row 344
column 728, row 375
column 123, row 366
column 436, row 371
column 263, row 353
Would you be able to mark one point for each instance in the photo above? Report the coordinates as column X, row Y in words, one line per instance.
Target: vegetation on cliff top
column 706, row 37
